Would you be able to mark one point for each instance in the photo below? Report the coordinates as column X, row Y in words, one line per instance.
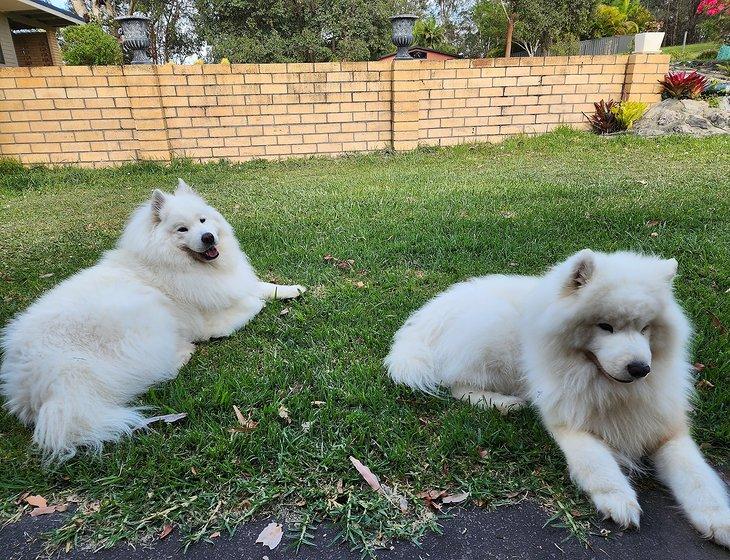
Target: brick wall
column 33, row 48
column 107, row 115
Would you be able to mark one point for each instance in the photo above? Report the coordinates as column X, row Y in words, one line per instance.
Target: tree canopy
column 295, row 30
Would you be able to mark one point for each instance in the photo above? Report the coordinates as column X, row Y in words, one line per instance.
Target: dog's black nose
column 638, row 369
column 208, row 238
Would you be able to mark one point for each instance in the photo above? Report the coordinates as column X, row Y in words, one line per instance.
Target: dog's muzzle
column 594, row 360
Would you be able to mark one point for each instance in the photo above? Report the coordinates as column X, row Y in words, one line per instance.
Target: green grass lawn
column 413, row 224
column 689, row 52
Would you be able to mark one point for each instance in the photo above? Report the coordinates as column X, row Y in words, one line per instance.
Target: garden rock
column 685, row 116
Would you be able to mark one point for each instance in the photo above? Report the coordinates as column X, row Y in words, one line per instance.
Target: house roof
column 30, row 12
column 422, row 49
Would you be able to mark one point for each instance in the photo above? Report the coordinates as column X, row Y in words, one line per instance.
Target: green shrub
column 709, row 54
column 566, row 44
column 627, row 112
column 89, row 45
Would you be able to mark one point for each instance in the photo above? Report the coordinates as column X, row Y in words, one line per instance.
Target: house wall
column 6, row 43
column 100, row 116
column 33, row 48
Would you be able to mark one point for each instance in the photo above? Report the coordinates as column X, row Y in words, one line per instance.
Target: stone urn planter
column 403, row 34
column 648, row 42
column 135, row 34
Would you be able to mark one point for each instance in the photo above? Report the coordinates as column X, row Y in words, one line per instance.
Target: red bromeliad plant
column 603, row 120
column 683, row 85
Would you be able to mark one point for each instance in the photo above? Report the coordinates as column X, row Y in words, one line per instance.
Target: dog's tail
column 66, row 423
column 411, row 361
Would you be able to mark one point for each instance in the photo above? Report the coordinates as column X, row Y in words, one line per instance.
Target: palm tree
column 428, row 33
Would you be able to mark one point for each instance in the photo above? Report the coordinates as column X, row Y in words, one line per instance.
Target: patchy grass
column 689, row 52
column 414, row 224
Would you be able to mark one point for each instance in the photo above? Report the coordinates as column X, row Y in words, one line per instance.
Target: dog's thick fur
column 565, row 342
column 76, row 357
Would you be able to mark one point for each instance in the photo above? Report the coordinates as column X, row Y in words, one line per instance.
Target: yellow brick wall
column 107, row 115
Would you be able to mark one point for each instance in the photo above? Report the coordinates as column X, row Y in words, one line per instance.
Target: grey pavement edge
column 509, row 533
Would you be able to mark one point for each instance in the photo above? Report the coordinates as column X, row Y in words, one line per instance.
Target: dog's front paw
column 294, row 291
column 715, row 526
column 621, row 507
column 721, row 534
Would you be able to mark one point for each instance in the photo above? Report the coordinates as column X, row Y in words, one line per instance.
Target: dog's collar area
column 594, row 360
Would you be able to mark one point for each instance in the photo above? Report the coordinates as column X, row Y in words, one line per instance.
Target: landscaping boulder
column 685, row 116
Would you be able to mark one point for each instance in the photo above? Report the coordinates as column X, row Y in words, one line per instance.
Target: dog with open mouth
column 75, row 358
column 599, row 345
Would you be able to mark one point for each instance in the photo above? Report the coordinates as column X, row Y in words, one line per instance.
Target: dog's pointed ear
column 582, row 266
column 184, row 188
column 669, row 269
column 156, row 204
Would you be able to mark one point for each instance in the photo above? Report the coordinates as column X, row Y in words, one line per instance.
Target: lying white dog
column 78, row 355
column 599, row 345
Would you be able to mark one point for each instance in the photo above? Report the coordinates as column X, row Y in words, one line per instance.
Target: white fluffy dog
column 79, row 354
column 599, row 345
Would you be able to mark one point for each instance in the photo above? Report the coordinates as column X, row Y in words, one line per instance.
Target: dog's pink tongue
column 211, row 253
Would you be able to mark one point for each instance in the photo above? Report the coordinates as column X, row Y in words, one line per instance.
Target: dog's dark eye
column 182, row 229
column 605, row 326
column 202, row 220
column 646, row 328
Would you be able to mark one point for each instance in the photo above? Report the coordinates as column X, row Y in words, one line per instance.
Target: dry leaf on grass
column 166, row 530
column 245, row 424
column 271, row 535
column 698, row 366
column 215, row 535
column 318, row 403
column 36, row 501
column 284, row 414
column 652, row 223
column 455, row 498
column 714, row 319
column 436, row 499
column 284, row 311
column 48, row 509
column 366, row 473
column 166, row 418
column 705, row 384
column 375, row 484
column 239, row 416
column 342, row 264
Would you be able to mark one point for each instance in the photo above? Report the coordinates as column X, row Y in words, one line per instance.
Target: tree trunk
column 80, row 8
column 508, row 38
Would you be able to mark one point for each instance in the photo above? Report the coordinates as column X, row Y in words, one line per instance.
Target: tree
column 483, row 29
column 620, row 17
column 172, row 33
column 295, row 30
column 172, row 29
column 427, row 33
column 676, row 17
column 534, row 25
